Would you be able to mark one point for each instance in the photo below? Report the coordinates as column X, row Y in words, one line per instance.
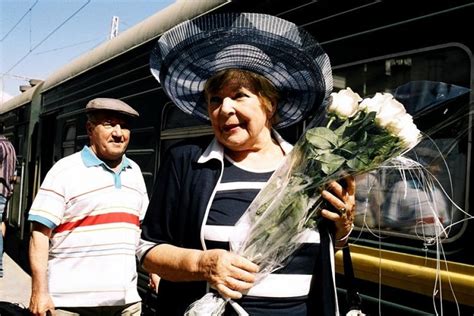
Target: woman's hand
column 228, row 273
column 342, row 199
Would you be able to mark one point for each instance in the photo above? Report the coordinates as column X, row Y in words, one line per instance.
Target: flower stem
column 331, row 120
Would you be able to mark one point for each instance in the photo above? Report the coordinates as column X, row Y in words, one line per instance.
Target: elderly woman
column 247, row 74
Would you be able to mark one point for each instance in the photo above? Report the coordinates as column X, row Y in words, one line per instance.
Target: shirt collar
column 90, row 159
column 215, row 150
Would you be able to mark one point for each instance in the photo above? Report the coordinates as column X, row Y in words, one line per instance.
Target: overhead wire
column 19, row 21
column 14, row 76
column 48, row 36
column 30, row 33
column 68, row 46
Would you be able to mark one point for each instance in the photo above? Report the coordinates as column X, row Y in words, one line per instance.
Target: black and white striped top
column 283, row 292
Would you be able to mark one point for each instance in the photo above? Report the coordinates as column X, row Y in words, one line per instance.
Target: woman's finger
column 237, row 284
column 336, row 188
column 351, row 185
column 232, row 288
column 244, row 264
column 343, row 199
column 330, row 215
column 333, row 200
column 227, row 292
column 243, row 275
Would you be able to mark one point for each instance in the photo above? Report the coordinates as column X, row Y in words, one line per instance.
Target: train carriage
column 20, row 116
column 374, row 46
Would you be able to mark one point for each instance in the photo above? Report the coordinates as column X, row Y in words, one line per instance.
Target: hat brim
column 111, row 105
column 118, row 112
column 186, row 56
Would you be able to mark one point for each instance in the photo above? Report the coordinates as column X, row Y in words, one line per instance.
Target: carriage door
column 48, row 154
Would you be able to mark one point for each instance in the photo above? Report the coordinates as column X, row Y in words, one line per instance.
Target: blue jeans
column 3, row 202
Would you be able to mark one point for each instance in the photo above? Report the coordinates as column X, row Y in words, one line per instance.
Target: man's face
column 109, row 135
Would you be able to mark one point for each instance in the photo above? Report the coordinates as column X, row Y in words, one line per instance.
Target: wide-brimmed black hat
column 187, row 55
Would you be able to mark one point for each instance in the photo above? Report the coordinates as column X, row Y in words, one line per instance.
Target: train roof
column 142, row 32
column 20, row 100
column 147, row 30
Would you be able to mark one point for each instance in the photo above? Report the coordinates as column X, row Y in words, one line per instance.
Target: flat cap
column 111, row 105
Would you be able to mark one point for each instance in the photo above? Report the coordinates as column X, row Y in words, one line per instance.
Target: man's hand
column 40, row 304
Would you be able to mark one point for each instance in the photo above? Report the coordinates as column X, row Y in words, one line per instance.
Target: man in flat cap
column 86, row 223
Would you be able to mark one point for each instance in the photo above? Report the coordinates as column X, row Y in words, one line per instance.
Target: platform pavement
column 15, row 286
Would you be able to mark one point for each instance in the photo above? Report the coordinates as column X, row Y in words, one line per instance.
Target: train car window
column 175, row 118
column 19, row 137
column 177, row 126
column 68, row 143
column 387, row 201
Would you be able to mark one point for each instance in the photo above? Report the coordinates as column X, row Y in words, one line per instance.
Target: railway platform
column 15, row 286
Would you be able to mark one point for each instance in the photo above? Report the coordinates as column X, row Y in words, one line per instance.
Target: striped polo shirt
column 95, row 215
column 284, row 291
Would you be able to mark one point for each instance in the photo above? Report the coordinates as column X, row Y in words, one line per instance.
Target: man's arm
column 40, row 301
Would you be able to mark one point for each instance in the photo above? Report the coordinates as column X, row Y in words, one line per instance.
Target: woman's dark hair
column 256, row 83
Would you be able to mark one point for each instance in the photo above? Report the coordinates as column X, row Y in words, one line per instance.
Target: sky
column 38, row 37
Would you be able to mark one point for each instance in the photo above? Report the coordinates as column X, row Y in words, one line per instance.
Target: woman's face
column 238, row 117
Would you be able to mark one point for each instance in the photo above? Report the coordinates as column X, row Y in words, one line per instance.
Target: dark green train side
column 373, row 46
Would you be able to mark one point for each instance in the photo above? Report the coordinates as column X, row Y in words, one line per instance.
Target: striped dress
column 283, row 292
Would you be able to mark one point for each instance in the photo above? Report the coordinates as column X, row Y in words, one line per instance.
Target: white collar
column 215, row 150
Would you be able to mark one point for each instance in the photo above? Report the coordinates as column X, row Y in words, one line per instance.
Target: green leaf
column 331, row 162
column 316, row 152
column 359, row 162
column 321, row 137
column 340, row 130
column 349, row 149
column 362, row 124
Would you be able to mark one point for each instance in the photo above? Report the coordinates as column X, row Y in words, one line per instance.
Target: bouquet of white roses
column 360, row 136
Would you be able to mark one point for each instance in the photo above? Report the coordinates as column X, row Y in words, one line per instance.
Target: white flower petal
column 344, row 103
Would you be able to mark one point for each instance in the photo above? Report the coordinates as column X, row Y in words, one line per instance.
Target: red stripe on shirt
column 99, row 219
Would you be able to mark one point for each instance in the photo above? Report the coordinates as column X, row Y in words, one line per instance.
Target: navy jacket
column 175, row 215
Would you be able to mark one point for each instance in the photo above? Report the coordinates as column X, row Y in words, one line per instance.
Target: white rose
column 410, row 136
column 344, row 103
column 399, row 123
column 390, row 110
column 373, row 104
